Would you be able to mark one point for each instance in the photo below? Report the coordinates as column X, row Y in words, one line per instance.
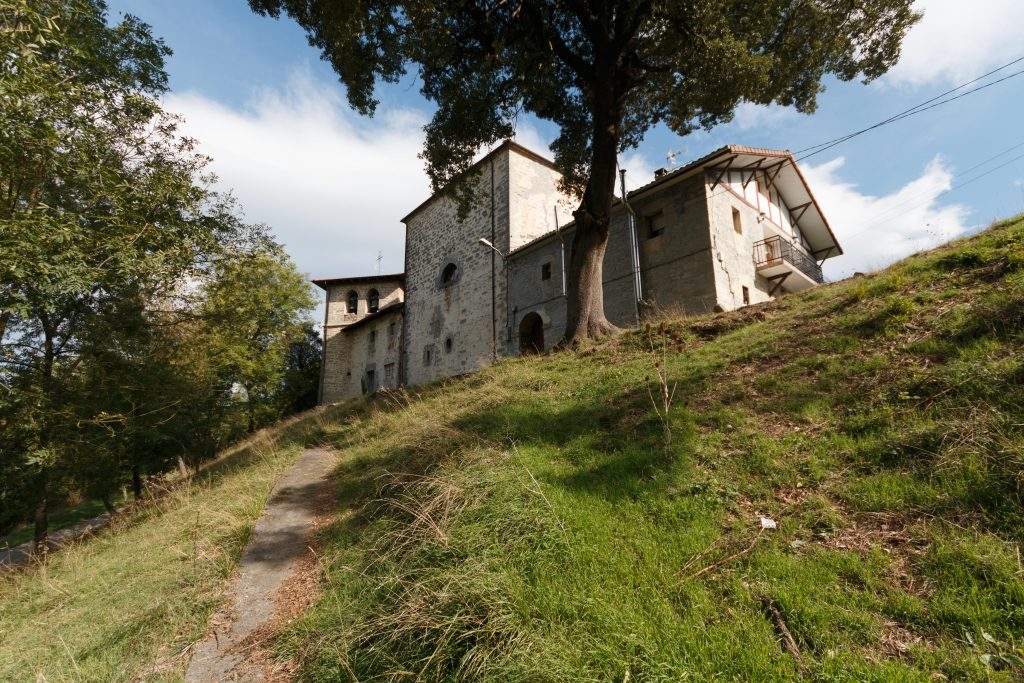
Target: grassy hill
column 539, row 521
column 129, row 602
column 545, row 519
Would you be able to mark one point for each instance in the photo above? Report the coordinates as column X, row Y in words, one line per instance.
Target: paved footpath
column 278, row 546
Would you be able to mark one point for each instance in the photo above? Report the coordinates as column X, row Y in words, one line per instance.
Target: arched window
column 373, row 301
column 353, row 302
column 449, row 275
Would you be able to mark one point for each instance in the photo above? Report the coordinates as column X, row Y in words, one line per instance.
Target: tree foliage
column 118, row 262
column 604, row 71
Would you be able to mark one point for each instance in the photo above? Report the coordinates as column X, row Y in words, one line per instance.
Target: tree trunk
column 108, row 504
column 42, row 522
column 585, row 296
column 182, row 468
column 136, row 482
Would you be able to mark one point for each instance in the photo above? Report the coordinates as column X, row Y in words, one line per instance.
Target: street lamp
column 487, row 243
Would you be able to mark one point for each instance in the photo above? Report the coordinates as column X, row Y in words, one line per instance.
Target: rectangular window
column 373, row 340
column 389, row 374
column 371, row 381
column 655, row 224
column 428, row 355
column 391, row 335
column 746, row 296
column 737, row 221
column 545, row 271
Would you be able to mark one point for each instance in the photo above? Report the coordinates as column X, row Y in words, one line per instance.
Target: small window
column 353, row 302
column 428, row 355
column 389, row 374
column 746, row 296
column 545, row 271
column 448, row 275
column 737, row 221
column 391, row 335
column 448, row 345
column 655, row 224
column 373, row 339
column 373, row 301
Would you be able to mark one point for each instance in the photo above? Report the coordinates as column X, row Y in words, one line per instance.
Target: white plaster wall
column 734, row 253
column 533, row 196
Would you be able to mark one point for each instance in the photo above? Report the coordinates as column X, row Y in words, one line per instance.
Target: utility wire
column 941, row 194
column 917, row 109
column 893, row 211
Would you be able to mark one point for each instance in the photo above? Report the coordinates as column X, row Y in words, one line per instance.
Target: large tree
column 604, row 71
column 133, row 299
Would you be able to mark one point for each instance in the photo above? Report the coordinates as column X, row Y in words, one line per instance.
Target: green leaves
column 125, row 280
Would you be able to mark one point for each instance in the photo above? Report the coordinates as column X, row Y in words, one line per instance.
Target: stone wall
column 344, row 363
column 676, row 266
column 353, row 353
column 692, row 261
column 450, row 327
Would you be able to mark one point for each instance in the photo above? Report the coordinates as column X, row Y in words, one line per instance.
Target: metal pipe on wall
column 638, row 292
column 561, row 251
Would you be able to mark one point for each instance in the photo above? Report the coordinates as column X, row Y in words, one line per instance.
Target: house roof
column 789, row 180
column 506, row 145
column 324, row 283
column 393, row 307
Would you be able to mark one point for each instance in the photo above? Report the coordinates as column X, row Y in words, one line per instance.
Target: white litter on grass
column 768, row 523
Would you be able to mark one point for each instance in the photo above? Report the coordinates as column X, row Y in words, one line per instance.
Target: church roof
column 393, row 307
column 324, row 283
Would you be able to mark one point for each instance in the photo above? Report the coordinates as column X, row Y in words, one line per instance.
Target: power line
column 917, row 109
column 885, row 214
column 941, row 194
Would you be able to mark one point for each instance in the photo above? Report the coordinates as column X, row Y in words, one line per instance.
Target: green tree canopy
column 604, row 71
column 117, row 263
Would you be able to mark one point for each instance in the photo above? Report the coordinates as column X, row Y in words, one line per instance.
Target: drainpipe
column 494, row 278
column 638, row 291
column 561, row 241
column 323, row 349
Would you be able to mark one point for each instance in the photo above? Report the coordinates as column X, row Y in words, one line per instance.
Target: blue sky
column 333, row 185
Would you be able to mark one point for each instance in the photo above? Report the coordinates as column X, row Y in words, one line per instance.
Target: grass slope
column 536, row 521
column 129, row 602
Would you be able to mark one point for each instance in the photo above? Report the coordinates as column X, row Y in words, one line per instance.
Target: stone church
column 735, row 227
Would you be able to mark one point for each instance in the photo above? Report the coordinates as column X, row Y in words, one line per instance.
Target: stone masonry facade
column 717, row 234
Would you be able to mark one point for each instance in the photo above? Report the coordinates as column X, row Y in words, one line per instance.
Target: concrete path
column 277, row 551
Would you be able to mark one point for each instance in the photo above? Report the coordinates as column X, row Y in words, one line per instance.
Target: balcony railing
column 776, row 251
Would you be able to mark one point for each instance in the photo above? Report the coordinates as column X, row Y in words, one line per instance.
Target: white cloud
column 956, row 41
column 875, row 231
column 331, row 186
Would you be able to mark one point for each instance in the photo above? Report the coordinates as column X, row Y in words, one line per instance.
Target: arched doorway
column 531, row 334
